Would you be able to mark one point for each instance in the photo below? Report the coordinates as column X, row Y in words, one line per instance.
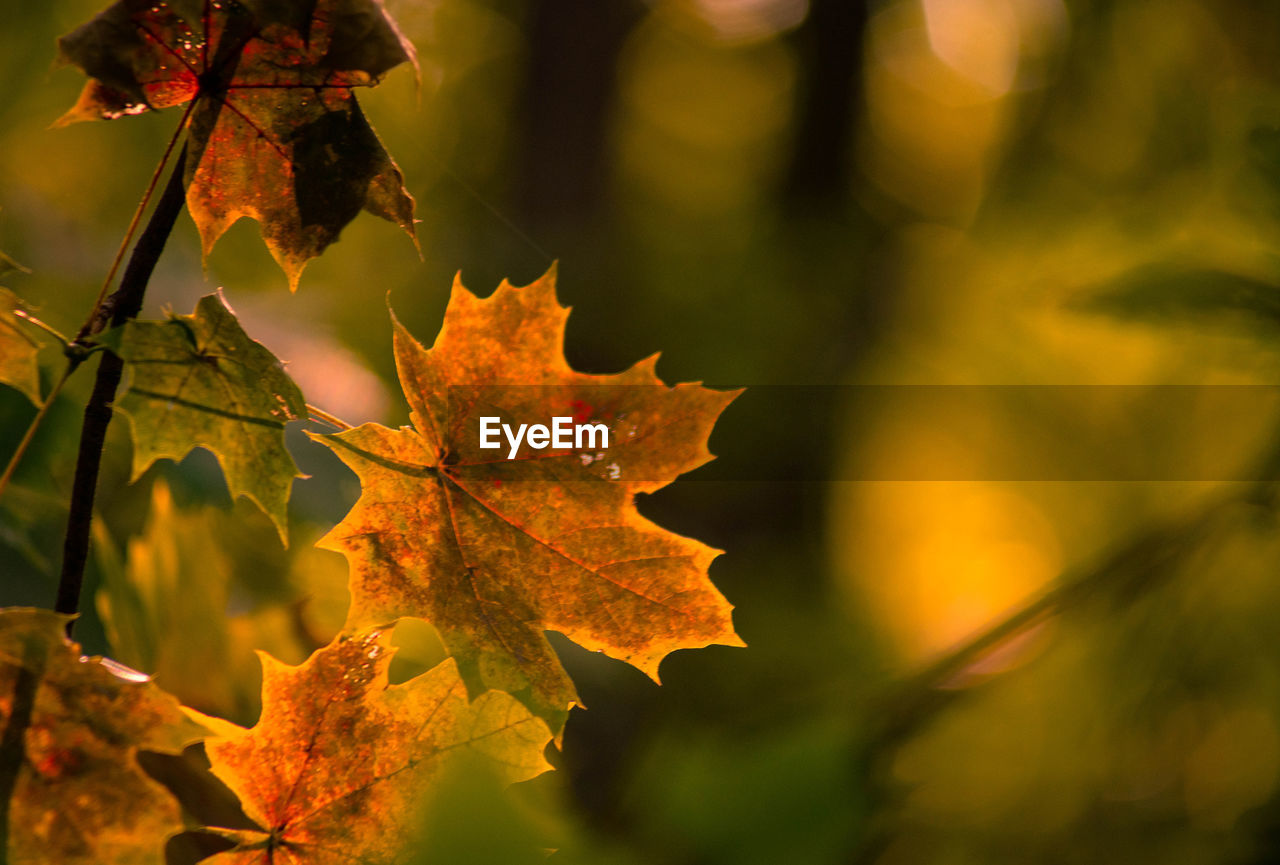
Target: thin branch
column 124, row 304
column 97, row 319
column 33, row 426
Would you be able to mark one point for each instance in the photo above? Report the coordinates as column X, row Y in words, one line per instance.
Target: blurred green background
column 823, row 200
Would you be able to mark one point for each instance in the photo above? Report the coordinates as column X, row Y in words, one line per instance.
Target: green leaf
column 164, row 608
column 199, row 381
column 74, row 790
column 18, row 348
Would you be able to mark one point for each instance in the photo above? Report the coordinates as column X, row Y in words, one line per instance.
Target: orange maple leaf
column 495, row 551
column 337, row 766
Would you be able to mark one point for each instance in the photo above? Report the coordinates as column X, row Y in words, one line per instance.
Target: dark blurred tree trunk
column 561, row 195
column 830, row 45
column 562, row 171
column 570, row 84
column 837, row 247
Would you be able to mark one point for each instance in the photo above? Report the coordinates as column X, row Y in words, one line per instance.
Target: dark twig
column 123, row 304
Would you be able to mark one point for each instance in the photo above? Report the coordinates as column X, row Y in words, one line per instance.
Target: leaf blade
column 494, row 552
column 335, row 767
column 200, row 381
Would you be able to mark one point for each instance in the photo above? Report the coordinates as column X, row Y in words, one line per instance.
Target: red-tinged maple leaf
column 493, row 552
column 339, row 761
column 275, row 131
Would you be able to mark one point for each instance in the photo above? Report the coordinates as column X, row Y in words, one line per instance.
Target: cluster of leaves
column 491, row 553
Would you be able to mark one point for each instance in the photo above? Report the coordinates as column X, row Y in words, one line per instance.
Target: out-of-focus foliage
column 156, row 596
column 1120, row 236
column 983, row 192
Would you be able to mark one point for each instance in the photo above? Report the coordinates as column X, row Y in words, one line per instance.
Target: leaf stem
column 324, row 417
column 33, row 426
column 123, row 304
column 49, row 329
column 96, row 319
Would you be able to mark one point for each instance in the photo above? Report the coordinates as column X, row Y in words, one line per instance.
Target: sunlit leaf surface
column 336, row 768
column 494, row 552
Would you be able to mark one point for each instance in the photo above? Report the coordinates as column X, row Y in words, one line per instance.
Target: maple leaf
column 275, row 130
column 495, row 552
column 198, row 380
column 18, row 349
column 336, row 766
column 72, row 728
